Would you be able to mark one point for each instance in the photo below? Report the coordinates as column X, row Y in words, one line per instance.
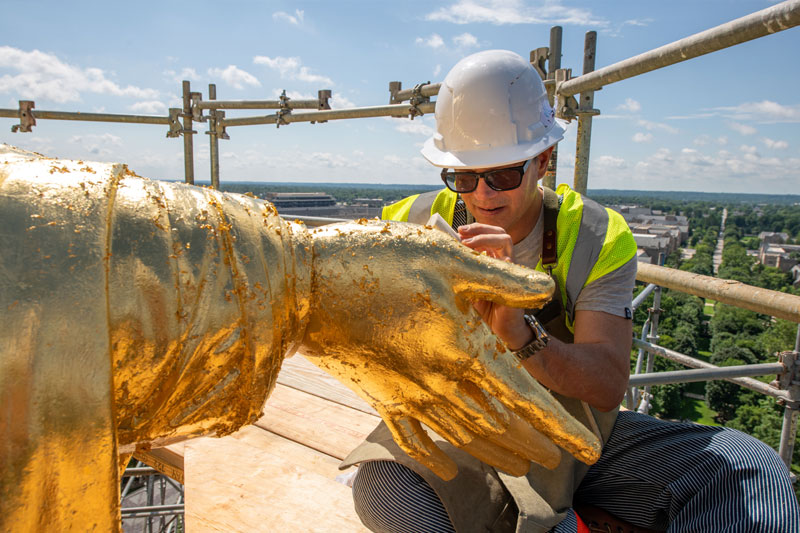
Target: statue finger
column 478, row 277
column 412, row 439
column 523, row 395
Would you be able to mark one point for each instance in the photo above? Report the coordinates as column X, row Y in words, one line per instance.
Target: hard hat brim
column 493, row 157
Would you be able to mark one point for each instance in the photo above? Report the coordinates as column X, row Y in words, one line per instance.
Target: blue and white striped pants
column 656, row 474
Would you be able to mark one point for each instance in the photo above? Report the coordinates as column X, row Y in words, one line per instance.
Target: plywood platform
column 279, row 474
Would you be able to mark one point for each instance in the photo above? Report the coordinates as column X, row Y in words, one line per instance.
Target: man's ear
column 542, row 160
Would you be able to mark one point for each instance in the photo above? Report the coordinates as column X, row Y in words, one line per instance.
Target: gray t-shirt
column 611, row 293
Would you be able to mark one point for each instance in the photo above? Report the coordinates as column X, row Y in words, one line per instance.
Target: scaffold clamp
column 283, row 111
column 26, row 117
column 566, row 106
column 217, row 127
column 197, row 111
column 416, row 99
column 789, row 380
column 175, row 128
column 538, row 59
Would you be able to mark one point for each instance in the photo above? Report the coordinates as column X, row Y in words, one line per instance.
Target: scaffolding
column 572, row 98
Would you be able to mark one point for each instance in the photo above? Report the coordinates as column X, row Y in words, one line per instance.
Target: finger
column 477, row 277
column 506, row 434
column 522, row 439
column 476, row 228
column 412, row 439
column 506, row 429
column 515, row 388
column 497, row 246
column 497, row 456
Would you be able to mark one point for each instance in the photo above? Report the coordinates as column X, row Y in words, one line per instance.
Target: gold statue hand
column 389, row 316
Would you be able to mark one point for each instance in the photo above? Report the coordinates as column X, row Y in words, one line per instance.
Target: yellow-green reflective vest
column 591, row 240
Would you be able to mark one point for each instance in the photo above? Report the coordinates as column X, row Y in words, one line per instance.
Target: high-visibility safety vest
column 591, row 240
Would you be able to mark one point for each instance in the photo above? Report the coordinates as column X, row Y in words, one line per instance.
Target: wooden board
column 256, row 481
column 299, row 373
column 167, row 460
column 328, row 427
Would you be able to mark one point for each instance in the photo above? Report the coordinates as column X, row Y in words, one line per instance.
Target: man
column 495, row 133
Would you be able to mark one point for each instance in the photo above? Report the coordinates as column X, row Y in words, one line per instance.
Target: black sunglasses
column 502, row 179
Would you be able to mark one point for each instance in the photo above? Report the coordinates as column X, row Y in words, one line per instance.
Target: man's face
column 515, row 211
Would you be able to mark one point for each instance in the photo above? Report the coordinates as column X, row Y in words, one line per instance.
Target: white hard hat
column 492, row 110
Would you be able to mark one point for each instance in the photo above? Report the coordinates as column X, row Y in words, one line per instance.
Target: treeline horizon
column 392, row 192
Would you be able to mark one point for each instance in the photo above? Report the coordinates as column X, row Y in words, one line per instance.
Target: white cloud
column 43, row 75
column 296, row 19
column 434, row 41
column 611, row 161
column 437, row 70
column 97, row 145
column 186, row 73
column 338, row 101
column 234, row 76
column 514, row 12
column 151, row 107
column 775, row 145
column 649, row 125
column 764, row 111
column 465, row 40
column 747, row 149
column 291, row 68
column 703, row 168
column 416, row 127
column 741, row 129
column 630, row 105
column 640, row 137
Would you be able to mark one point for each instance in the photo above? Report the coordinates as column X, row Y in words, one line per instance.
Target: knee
column 391, row 498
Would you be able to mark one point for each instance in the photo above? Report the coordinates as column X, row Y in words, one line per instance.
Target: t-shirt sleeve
column 611, row 293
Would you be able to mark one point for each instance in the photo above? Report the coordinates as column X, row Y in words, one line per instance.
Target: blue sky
column 725, row 122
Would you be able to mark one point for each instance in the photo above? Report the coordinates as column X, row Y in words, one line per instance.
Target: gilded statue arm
column 138, row 312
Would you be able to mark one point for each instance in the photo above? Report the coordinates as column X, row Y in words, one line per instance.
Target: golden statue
column 139, row 312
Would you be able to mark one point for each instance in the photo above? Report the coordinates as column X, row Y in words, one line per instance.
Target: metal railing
column 150, row 501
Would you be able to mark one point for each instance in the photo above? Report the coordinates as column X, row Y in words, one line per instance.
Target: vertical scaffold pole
column 213, row 138
column 188, row 148
column 553, row 64
column 790, row 411
column 583, row 144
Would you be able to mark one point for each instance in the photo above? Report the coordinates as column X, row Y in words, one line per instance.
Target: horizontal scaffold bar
column 705, row 374
column 89, row 117
column 749, row 383
column 773, row 303
column 258, row 104
column 767, row 21
column 393, row 110
column 432, row 89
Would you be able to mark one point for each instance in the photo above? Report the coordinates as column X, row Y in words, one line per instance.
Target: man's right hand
column 506, row 322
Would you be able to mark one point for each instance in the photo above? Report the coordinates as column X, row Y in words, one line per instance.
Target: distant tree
column 729, row 351
column 723, row 396
column 781, row 336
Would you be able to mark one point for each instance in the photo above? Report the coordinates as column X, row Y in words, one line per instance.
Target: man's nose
column 483, row 190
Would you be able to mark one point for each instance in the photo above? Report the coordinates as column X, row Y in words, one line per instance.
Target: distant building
column 795, row 275
column 286, row 200
column 654, row 232
column 778, row 255
column 773, row 237
column 320, row 204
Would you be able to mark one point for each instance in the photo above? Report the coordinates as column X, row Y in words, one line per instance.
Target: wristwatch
column 540, row 339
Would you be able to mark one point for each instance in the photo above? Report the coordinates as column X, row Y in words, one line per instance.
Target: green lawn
column 708, row 309
column 698, row 411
